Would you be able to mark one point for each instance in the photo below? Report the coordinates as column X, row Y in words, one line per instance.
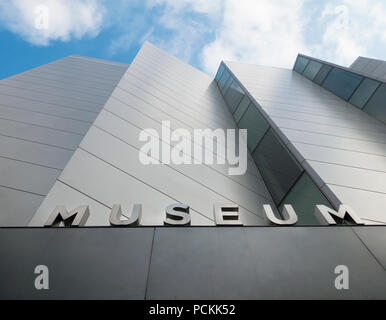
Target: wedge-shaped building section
column 44, row 114
column 106, row 168
column 310, row 143
column 73, row 132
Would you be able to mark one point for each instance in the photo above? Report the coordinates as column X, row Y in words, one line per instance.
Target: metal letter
column 328, row 216
column 74, row 218
column 227, row 215
column 116, row 213
column 177, row 215
column 289, row 215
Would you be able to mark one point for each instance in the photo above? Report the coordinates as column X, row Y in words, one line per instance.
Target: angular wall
column 105, row 169
column 44, row 114
column 340, row 148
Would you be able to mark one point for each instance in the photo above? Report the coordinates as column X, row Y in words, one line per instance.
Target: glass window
column 303, row 197
column 219, row 72
column 256, row 125
column 242, row 107
column 312, row 69
column 322, row 74
column 224, row 78
column 277, row 166
column 301, row 64
column 234, row 96
column 226, row 86
column 342, row 83
column 377, row 104
column 364, row 92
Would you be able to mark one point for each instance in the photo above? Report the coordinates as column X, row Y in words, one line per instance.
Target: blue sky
column 200, row 32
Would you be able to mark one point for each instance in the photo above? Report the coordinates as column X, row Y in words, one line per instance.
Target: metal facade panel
column 371, row 204
column 193, row 263
column 342, row 144
column 31, row 152
column 243, row 264
column 82, row 264
column 159, row 87
column 17, row 207
column 44, row 114
column 374, row 241
column 27, row 177
column 108, row 185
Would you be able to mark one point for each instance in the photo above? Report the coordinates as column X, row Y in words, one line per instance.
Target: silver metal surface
column 328, row 216
column 289, row 216
column 227, row 215
column 75, row 218
column 159, row 87
column 116, row 216
column 341, row 147
column 44, row 114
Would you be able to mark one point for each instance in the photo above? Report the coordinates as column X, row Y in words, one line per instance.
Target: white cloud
column 271, row 32
column 351, row 29
column 66, row 19
column 204, row 32
column 200, row 6
column 257, row 31
column 183, row 26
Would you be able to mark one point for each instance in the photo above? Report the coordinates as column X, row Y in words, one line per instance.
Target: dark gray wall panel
column 261, row 263
column 82, row 264
column 193, row 263
column 375, row 241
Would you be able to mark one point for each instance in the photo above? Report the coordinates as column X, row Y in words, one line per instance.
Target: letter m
column 328, row 216
column 74, row 218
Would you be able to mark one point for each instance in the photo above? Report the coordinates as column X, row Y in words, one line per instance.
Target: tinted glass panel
column 324, row 70
column 277, row 166
column 300, row 64
column 377, row 104
column 303, row 197
column 219, row 72
column 342, row 83
column 224, row 78
column 242, row 107
column 234, row 96
column 256, row 125
column 312, row 69
column 364, row 92
column 226, row 86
